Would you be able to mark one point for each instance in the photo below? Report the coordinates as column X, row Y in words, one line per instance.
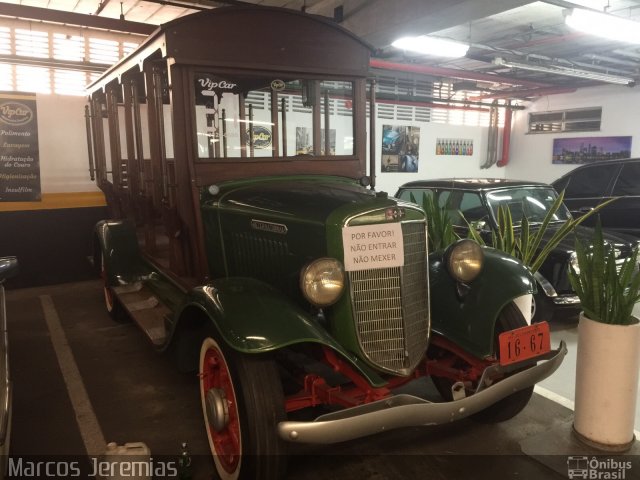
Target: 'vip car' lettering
column 14, row 113
column 209, row 84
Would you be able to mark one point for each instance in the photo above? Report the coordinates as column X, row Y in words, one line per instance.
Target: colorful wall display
column 400, row 146
column 19, row 154
column 454, row 146
column 590, row 149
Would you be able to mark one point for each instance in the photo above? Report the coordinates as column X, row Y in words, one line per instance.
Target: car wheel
column 242, row 404
column 541, row 308
column 509, row 319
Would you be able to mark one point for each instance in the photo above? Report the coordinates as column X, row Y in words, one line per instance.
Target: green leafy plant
column 439, row 224
column 606, row 294
column 524, row 243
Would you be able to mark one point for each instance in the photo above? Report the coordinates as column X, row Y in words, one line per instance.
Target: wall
column 431, row 165
column 52, row 238
column 530, row 154
column 64, row 164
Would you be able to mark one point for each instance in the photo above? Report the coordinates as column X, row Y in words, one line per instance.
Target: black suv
column 588, row 185
column 478, row 201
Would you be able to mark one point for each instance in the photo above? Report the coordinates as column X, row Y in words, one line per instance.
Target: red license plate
column 524, row 343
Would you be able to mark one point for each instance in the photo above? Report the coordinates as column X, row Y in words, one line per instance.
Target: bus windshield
column 272, row 117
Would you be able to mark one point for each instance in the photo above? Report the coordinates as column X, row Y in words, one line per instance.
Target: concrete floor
column 133, row 394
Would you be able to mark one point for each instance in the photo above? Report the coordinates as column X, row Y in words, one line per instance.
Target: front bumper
column 408, row 411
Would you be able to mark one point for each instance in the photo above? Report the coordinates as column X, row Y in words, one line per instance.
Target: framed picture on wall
column 304, row 141
column 400, row 146
column 590, row 149
column 454, row 146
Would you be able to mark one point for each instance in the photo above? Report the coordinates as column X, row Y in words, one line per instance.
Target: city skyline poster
column 590, row 149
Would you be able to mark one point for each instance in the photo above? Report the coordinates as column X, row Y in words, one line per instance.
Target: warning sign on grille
column 373, row 246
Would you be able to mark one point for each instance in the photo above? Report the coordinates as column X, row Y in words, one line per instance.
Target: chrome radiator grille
column 391, row 307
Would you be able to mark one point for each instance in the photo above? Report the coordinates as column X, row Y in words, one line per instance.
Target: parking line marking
column 86, row 419
column 554, row 397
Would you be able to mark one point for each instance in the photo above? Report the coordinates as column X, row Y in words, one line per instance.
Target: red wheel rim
column 226, row 444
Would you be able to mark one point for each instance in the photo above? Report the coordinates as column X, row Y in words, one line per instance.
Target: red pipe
column 506, row 138
column 452, row 73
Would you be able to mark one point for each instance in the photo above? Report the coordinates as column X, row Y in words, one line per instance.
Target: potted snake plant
column 608, row 355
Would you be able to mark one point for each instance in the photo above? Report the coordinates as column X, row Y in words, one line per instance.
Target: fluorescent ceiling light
column 432, row 46
column 604, row 25
column 567, row 71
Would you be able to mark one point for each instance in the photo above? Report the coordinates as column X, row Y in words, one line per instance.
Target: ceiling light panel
column 604, row 25
column 425, row 45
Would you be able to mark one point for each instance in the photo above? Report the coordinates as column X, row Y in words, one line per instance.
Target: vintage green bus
column 245, row 237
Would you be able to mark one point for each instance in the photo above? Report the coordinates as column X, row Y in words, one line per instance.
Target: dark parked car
column 588, row 185
column 478, row 201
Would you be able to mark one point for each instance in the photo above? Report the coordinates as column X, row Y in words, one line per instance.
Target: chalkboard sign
column 19, row 155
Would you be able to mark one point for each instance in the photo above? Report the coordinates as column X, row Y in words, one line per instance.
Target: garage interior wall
column 52, row 238
column 530, row 154
column 72, row 204
column 431, row 165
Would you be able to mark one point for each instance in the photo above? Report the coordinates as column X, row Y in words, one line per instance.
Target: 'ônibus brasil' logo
column 14, row 113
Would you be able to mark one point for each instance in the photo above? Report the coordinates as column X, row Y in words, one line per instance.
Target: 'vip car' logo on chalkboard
column 14, row 113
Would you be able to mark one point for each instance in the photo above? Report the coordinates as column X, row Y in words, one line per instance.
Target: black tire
column 541, row 308
column 111, row 303
column 244, row 442
column 510, row 318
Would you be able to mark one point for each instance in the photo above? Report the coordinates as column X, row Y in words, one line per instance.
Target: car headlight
column 322, row 281
column 573, row 263
column 464, row 260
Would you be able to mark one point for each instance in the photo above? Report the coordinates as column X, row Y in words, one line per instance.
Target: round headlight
column 322, row 281
column 464, row 260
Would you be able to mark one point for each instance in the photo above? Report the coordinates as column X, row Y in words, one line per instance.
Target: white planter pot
column 606, row 384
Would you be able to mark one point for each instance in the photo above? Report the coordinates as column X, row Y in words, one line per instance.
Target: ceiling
column 518, row 31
